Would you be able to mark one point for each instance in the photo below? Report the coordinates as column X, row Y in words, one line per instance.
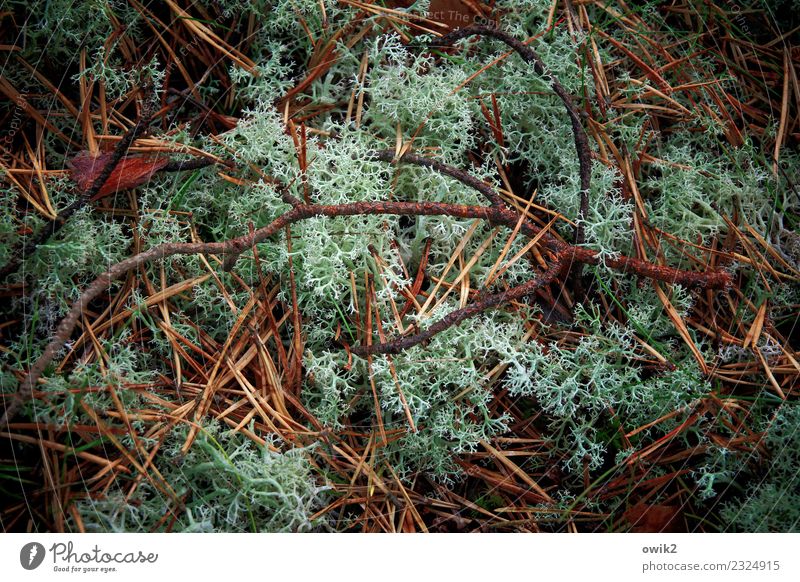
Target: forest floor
column 373, row 266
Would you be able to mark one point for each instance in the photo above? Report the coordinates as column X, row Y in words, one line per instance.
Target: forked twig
column 233, row 248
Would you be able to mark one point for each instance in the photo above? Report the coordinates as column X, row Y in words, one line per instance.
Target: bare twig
column 469, row 180
column 460, row 175
column 191, row 164
column 231, row 250
column 496, row 214
column 503, row 215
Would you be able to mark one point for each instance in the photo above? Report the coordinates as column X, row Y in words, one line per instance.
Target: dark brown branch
column 715, row 279
column 568, row 255
column 469, row 180
column 531, row 57
column 400, row 344
column 289, row 198
column 231, row 249
column 235, row 247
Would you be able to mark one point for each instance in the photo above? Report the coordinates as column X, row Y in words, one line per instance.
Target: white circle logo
column 31, row 555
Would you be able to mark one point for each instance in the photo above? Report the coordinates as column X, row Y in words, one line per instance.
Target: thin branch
column 190, row 164
column 230, row 248
column 468, row 179
column 503, row 215
column 710, row 279
column 235, row 247
column 531, row 57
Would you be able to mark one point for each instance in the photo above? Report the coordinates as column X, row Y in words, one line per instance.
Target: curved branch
column 468, row 179
column 710, row 279
column 531, row 57
column 230, row 249
column 500, row 214
column 460, row 175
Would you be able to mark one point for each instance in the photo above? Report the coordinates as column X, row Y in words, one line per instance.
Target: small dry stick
column 457, row 316
column 230, row 249
column 186, row 165
column 460, row 175
column 468, row 180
